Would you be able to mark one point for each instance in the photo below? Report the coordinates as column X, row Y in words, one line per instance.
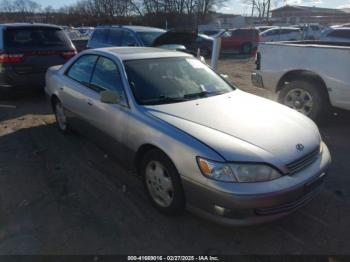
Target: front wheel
column 162, row 183
column 306, row 97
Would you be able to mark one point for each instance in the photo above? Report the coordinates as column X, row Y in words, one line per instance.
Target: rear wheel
column 306, row 97
column 61, row 118
column 162, row 183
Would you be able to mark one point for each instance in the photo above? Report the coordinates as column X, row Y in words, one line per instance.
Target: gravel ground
column 64, row 195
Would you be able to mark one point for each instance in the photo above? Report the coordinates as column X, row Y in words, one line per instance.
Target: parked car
column 311, row 77
column 242, row 40
column 157, row 110
column 341, row 34
column 281, row 34
column 28, row 50
column 310, row 31
column 108, row 36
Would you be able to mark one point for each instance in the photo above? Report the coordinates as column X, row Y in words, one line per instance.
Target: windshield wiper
column 204, row 94
column 165, row 100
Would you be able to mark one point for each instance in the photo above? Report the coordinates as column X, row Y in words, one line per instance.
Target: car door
column 110, row 121
column 75, row 91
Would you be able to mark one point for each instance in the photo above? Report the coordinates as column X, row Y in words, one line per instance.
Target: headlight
column 239, row 173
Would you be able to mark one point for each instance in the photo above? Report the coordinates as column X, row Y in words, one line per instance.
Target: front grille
column 303, row 162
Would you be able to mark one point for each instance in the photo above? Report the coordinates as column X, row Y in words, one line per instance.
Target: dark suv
column 28, row 50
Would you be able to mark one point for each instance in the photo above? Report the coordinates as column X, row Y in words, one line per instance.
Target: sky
column 234, row 6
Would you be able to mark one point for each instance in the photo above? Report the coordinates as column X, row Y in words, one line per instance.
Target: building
column 295, row 14
column 224, row 21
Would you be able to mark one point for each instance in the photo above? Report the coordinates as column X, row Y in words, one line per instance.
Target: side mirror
column 224, row 76
column 110, row 97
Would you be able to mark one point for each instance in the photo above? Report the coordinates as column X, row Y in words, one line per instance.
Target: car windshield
column 149, row 37
column 172, row 80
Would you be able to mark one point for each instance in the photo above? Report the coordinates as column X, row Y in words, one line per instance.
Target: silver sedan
column 196, row 140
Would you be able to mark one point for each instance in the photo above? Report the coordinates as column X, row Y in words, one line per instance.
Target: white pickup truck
column 309, row 76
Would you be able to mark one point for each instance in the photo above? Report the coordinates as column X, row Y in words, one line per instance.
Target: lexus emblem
column 300, row 147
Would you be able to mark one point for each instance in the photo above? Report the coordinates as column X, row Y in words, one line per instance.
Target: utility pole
column 253, row 6
column 268, row 11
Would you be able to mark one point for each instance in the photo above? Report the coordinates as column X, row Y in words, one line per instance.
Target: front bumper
column 256, row 203
column 257, row 80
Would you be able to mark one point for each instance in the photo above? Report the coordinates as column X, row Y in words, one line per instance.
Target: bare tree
column 262, row 7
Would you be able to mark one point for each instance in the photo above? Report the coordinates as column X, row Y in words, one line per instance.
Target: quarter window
column 82, row 68
column 106, row 76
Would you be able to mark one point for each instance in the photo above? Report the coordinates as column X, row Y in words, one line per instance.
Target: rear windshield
column 35, row 37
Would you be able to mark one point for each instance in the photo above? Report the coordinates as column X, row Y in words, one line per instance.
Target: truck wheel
column 306, row 97
column 246, row 49
column 162, row 183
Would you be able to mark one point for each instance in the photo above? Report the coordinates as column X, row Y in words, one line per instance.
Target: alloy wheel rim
column 159, row 184
column 300, row 100
column 60, row 117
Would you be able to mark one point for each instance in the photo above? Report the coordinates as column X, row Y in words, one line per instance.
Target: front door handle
column 89, row 102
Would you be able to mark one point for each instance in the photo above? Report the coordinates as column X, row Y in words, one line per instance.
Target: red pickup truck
column 242, row 40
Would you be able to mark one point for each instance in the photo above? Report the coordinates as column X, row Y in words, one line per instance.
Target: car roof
column 135, row 28
column 340, row 28
column 7, row 25
column 136, row 53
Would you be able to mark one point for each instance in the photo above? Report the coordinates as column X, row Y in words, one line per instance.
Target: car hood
column 243, row 127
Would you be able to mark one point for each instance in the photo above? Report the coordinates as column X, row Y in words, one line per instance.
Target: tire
column 61, row 119
column 162, row 183
column 307, row 97
column 246, row 49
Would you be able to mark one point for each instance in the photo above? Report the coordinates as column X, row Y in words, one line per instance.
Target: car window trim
column 124, row 94
column 71, row 65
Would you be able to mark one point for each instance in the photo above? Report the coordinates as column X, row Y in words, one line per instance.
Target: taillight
column 68, row 54
column 11, row 58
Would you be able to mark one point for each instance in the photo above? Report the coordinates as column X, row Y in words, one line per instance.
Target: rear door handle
column 89, row 102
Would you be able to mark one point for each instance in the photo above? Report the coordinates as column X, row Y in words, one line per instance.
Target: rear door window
column 35, row 38
column 82, row 68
